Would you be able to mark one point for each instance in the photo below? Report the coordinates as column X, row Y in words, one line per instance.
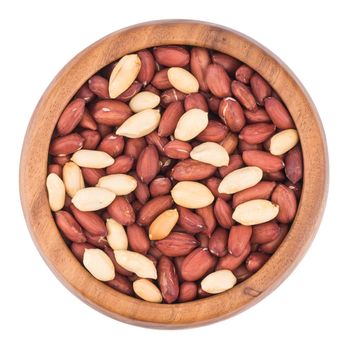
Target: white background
column 310, row 309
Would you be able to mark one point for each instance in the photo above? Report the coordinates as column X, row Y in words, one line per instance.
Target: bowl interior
column 33, row 173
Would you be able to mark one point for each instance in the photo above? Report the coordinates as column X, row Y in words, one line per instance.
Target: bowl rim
column 33, row 172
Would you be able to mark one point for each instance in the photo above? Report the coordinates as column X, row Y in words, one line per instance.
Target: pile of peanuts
column 174, row 173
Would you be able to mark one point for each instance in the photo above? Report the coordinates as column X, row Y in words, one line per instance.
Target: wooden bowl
column 33, row 172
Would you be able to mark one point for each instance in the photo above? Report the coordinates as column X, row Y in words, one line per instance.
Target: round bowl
column 33, row 172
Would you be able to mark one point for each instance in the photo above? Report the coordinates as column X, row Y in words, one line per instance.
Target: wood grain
column 34, row 166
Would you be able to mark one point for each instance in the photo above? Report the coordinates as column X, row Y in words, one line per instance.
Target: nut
column 92, row 138
column 163, row 224
column 144, row 100
column 97, row 262
column 284, row 197
column 91, row 176
column 183, row 80
column 196, row 100
column 140, row 124
column 96, row 241
column 257, row 116
column 218, row 242
column 278, row 113
column 190, row 194
column 257, row 133
column 260, row 88
column 69, row 226
column 92, row 198
column 141, row 192
column 170, row 118
column 235, row 163
column 121, row 284
column 85, row 93
column 229, row 63
column 68, row 144
column 262, row 190
column 110, row 112
column 191, row 123
column 264, row 160
column 294, row 165
column 72, row 178
column 213, row 184
column 154, row 139
column 138, row 240
column 218, row 81
column 243, row 95
column 177, row 244
column 56, row 191
column 256, row 211
column 121, row 211
column 148, row 67
column 214, row 132
column 244, row 74
column 190, row 169
column 133, row 147
column 241, row 273
column 116, row 236
column 129, row 93
column 196, row 264
column 218, row 281
column 211, row 153
column 199, row 62
column 265, row 233
column 78, row 250
column 188, row 292
column 231, row 262
column 167, row 279
column 272, row 246
column 238, row 239
column 170, row 96
column 177, row 149
column 161, row 81
column 208, row 216
column 112, row 144
column 223, row 213
column 99, row 86
column 147, row 166
column 146, row 290
column 231, row 112
column 240, row 179
column 160, row 186
column 153, row 208
column 92, row 159
column 171, row 56
column 71, row 116
column 121, row 165
column 123, row 75
column 283, row 141
column 189, row 221
column 255, row 261
column 90, row 221
column 213, row 104
column 120, row 184
column 136, row 263
column 229, row 143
